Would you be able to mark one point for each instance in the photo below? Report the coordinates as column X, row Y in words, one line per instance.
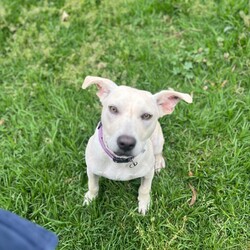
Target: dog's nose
column 126, row 143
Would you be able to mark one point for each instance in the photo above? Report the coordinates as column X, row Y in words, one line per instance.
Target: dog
column 128, row 141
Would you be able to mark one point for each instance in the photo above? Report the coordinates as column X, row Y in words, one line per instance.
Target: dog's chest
column 123, row 172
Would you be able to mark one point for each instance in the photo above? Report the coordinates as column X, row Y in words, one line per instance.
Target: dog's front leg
column 93, row 186
column 144, row 193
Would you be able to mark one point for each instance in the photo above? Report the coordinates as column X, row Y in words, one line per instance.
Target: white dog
column 128, row 141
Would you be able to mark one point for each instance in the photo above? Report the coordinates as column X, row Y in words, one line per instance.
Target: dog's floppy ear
column 105, row 86
column 167, row 99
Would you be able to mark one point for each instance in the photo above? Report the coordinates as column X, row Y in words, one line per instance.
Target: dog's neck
column 112, row 155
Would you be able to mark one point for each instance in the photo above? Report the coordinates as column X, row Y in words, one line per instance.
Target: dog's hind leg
column 158, row 142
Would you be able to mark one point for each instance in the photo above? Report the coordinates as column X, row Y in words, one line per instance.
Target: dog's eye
column 146, row 116
column 113, row 109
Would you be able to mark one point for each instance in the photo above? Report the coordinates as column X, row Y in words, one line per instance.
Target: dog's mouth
column 122, row 153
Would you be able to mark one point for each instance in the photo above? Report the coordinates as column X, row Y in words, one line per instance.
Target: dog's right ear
column 104, row 85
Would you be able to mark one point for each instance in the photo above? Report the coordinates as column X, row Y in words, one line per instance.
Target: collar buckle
column 134, row 163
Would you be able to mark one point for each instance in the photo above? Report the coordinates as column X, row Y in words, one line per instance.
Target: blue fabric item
column 17, row 233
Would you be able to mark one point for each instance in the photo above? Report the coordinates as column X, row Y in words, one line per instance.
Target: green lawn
column 199, row 47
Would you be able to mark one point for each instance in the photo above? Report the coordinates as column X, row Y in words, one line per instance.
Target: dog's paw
column 159, row 163
column 143, row 207
column 88, row 197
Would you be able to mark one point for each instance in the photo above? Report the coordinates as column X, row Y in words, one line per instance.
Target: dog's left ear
column 104, row 85
column 167, row 99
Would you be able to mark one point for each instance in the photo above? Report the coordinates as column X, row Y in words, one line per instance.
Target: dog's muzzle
column 124, row 142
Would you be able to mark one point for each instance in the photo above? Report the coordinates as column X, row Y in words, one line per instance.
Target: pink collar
column 112, row 155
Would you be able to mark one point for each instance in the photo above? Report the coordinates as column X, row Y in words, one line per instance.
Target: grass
column 194, row 46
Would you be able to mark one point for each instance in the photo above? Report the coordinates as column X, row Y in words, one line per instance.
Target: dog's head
column 129, row 115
